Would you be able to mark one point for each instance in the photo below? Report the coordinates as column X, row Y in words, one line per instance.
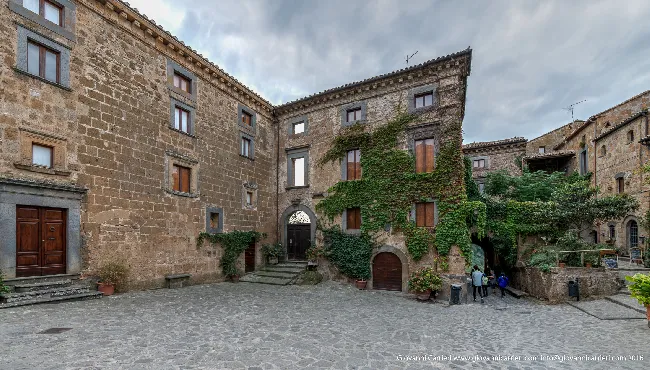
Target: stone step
column 43, row 293
column 20, row 288
column 295, row 262
column 75, row 297
column 607, row 310
column 253, row 278
column 41, row 279
column 286, row 275
column 276, row 268
column 627, row 301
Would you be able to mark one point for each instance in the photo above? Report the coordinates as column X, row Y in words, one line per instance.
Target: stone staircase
column 283, row 273
column 623, row 297
column 46, row 289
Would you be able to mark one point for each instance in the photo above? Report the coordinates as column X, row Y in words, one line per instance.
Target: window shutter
column 357, row 164
column 175, row 182
column 419, row 156
column 420, row 212
column 429, row 155
column 185, row 180
column 429, row 222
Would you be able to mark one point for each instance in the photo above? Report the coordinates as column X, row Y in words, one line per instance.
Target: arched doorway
column 298, row 235
column 387, row 272
column 632, row 234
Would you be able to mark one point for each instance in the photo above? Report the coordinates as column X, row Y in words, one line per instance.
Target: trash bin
column 574, row 289
column 454, row 298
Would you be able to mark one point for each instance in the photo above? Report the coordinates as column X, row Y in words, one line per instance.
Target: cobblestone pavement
column 251, row 326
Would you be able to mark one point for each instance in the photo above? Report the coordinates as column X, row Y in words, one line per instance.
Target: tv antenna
column 410, row 57
column 570, row 107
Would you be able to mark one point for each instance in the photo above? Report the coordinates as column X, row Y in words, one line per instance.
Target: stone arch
column 285, row 218
column 403, row 259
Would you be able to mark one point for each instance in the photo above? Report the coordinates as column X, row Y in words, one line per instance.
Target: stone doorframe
column 19, row 192
column 402, row 257
column 285, row 217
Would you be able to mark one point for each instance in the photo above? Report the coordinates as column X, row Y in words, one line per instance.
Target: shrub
column 3, row 287
column 272, row 250
column 115, row 273
column 349, row 253
column 640, row 289
column 544, row 260
column 424, row 279
column 314, row 252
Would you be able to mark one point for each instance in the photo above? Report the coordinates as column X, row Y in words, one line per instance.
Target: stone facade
column 108, row 119
column 496, row 156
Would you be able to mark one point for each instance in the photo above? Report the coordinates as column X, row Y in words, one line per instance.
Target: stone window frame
column 173, row 103
column 295, row 120
column 174, row 158
column 26, row 35
column 344, row 222
column 252, row 129
column 480, row 181
column 583, row 166
column 362, row 105
column 173, row 67
column 620, row 180
column 629, row 137
column 603, row 151
column 478, row 158
column 28, row 138
column 611, row 226
column 249, row 187
column 423, row 131
column 251, row 150
column 69, row 17
column 436, row 214
column 302, row 152
column 209, row 211
column 344, row 165
column 412, row 93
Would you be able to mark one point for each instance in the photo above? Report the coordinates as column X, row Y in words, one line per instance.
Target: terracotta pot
column 361, row 284
column 588, row 265
column 562, row 265
column 423, row 296
column 647, row 314
column 106, row 289
column 234, row 278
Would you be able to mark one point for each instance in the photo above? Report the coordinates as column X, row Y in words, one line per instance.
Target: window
column 620, row 185
column 353, row 115
column 634, row 234
column 181, row 179
column 542, row 149
column 246, row 147
column 43, row 62
column 214, row 220
column 42, row 156
column 353, row 219
column 424, row 156
column 479, row 163
column 425, row 214
column 298, row 128
column 247, row 118
column 630, row 136
column 182, row 82
column 481, row 188
column 603, row 151
column 249, row 198
column 182, row 120
column 47, row 9
column 298, row 165
column 423, row 100
column 612, row 232
column 583, row 162
column 354, row 165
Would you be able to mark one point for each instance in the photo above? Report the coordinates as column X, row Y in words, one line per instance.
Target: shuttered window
column 246, row 119
column 425, row 214
column 353, row 218
column 424, row 156
column 354, row 165
column 182, row 82
column 181, row 179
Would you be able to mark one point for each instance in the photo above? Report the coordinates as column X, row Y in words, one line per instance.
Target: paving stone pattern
column 256, row 326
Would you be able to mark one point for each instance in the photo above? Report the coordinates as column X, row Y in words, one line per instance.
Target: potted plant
column 423, row 282
column 361, row 283
column 313, row 253
column 591, row 260
column 562, row 264
column 111, row 275
column 640, row 289
column 234, row 278
column 272, row 252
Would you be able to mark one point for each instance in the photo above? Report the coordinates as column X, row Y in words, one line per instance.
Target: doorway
column 249, row 258
column 40, row 241
column 298, row 235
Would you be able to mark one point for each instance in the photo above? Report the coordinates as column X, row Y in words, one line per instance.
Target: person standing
column 484, row 284
column 493, row 280
column 503, row 283
column 477, row 282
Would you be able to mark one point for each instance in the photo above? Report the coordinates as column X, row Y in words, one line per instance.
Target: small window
column 630, row 136
column 603, row 151
column 43, row 62
column 354, row 165
column 249, row 198
column 298, row 128
column 182, row 120
column 247, row 118
column 353, row 218
column 298, row 171
column 542, row 149
column 612, row 232
column 182, row 82
column 620, row 185
column 181, row 179
column 479, row 163
column 424, row 214
column 246, row 147
column 584, row 167
column 42, row 156
column 214, row 220
column 46, row 9
column 353, row 115
column 481, row 188
column 424, row 100
column 424, row 156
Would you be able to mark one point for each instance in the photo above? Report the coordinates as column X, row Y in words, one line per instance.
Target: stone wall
column 553, row 286
column 498, row 155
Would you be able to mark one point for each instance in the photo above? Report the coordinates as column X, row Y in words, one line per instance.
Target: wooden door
column 249, row 258
column 387, row 272
column 40, row 241
column 298, row 241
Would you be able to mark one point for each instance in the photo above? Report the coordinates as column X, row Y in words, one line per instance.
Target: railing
column 601, row 253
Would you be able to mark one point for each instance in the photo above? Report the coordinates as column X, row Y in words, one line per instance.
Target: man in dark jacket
column 503, row 283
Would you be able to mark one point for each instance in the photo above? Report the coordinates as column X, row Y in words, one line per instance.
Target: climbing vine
column 234, row 243
column 349, row 253
column 390, row 186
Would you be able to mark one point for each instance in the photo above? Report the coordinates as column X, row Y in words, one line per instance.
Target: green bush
column 544, row 260
column 272, row 250
column 234, row 243
column 425, row 279
column 3, row 287
column 115, row 273
column 640, row 288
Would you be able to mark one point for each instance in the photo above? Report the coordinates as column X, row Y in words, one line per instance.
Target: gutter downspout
column 595, row 154
column 277, row 179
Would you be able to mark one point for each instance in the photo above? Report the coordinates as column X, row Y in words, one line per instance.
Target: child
column 503, row 283
column 484, row 282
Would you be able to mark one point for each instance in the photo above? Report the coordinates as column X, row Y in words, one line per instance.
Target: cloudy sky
column 530, row 59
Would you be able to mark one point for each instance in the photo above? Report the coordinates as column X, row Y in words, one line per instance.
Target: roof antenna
column 570, row 107
column 410, row 57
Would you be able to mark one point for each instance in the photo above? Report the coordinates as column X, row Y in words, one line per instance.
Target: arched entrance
column 299, row 231
column 632, row 234
column 387, row 272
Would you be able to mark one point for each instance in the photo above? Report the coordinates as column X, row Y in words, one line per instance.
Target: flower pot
column 312, row 263
column 106, row 289
column 273, row 260
column 234, row 278
column 562, row 265
column 588, row 265
column 423, row 296
column 361, row 284
column 647, row 314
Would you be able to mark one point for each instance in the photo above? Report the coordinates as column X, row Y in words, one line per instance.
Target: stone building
column 491, row 156
column 118, row 142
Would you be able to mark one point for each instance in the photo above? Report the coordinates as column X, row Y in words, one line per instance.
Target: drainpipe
column 277, row 178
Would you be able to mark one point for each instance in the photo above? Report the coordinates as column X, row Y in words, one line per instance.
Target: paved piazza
column 250, row 326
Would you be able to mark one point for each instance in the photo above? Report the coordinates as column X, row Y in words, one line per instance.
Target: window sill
column 296, row 187
column 42, row 79
column 247, row 157
column 250, row 208
column 357, row 122
column 353, row 231
column 426, row 109
column 214, row 231
column 183, row 94
column 45, row 170
column 246, row 128
column 181, row 194
column 182, row 132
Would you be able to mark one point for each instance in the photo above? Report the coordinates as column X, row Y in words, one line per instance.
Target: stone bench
column 177, row 280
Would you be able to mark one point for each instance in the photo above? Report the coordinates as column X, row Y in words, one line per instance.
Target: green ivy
column 234, row 243
column 349, row 253
column 3, row 287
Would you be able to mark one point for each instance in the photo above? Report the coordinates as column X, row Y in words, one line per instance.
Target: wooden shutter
column 428, row 155
column 354, row 165
column 429, row 220
column 419, row 214
column 185, row 179
column 354, row 218
column 175, row 182
column 357, row 164
column 425, row 214
column 351, row 172
column 419, row 156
